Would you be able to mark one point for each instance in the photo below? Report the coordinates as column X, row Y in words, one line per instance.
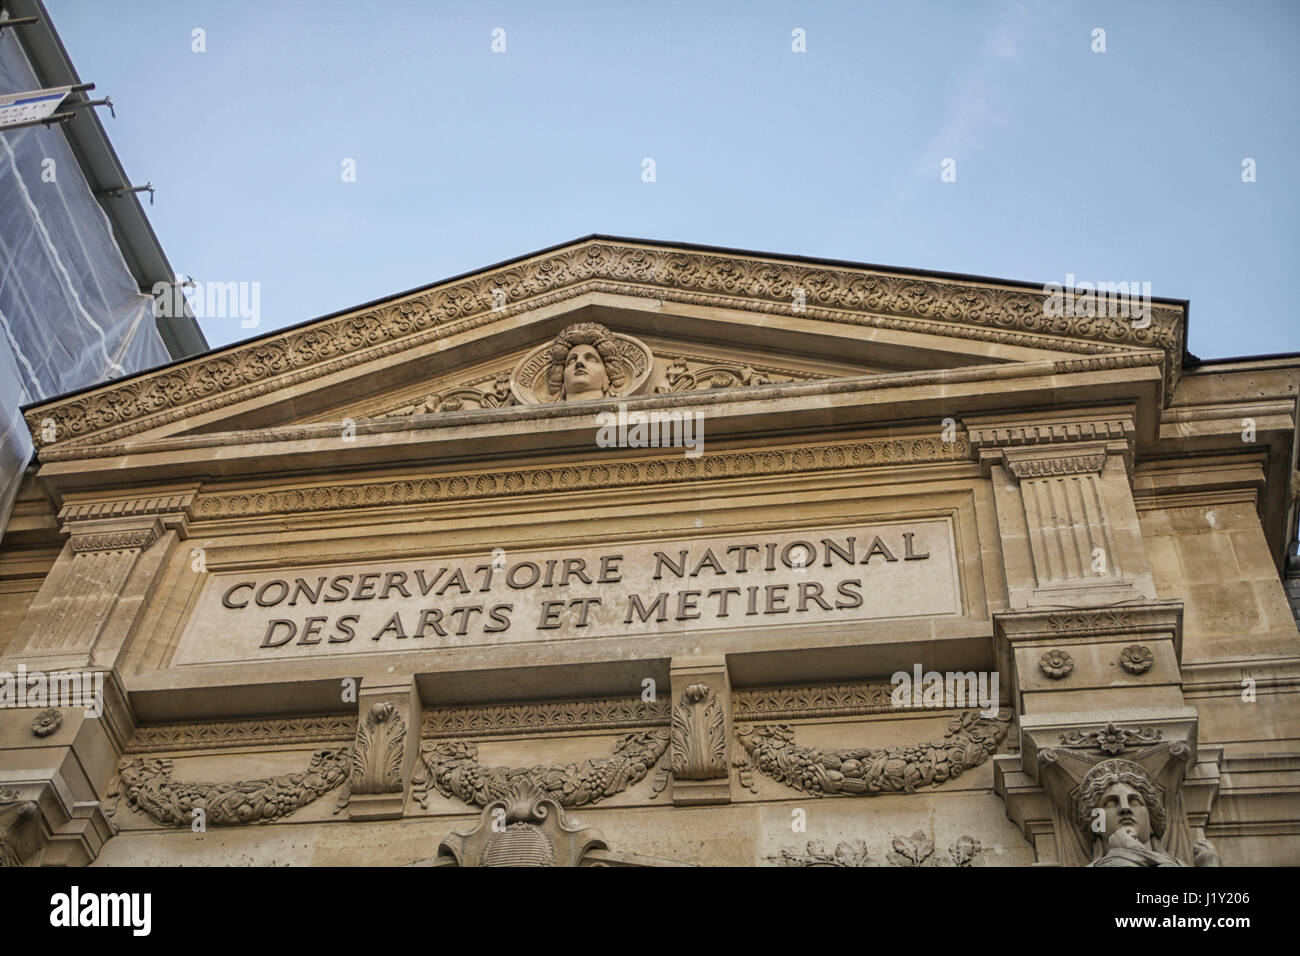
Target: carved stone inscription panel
column 774, row 579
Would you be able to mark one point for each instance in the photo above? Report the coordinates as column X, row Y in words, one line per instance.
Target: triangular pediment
column 700, row 321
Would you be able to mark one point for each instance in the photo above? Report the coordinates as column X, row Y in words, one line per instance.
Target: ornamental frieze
column 913, row 851
column 801, row 459
column 838, row 294
column 605, row 713
column 227, row 734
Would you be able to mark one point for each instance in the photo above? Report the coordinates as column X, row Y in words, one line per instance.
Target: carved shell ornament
column 1056, row 663
column 1136, row 659
column 625, row 364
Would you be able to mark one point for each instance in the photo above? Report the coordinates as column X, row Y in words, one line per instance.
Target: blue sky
column 1117, row 166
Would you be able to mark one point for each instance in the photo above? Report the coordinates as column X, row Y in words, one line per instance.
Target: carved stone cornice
column 99, row 523
column 844, row 294
column 543, row 717
column 229, row 734
column 91, row 536
column 177, row 500
column 622, row 474
column 1146, row 617
column 1014, row 432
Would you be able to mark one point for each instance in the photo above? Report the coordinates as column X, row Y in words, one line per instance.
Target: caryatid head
column 585, row 363
column 1129, row 800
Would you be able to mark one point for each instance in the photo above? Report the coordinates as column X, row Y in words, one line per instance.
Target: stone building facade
column 625, row 553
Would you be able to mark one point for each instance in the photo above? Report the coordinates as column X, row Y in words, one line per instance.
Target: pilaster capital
column 115, row 522
column 1042, row 445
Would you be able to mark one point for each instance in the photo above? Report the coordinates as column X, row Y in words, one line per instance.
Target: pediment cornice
column 873, row 298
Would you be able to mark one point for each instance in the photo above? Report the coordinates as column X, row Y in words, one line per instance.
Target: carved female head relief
column 1129, row 801
column 584, row 361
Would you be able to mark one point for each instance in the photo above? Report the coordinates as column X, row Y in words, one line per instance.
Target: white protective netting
column 71, row 314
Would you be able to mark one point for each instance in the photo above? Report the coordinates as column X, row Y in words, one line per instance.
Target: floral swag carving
column 451, row 767
column 147, row 785
column 771, row 749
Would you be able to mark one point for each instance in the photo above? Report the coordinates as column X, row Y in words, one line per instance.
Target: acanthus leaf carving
column 699, row 736
column 376, row 762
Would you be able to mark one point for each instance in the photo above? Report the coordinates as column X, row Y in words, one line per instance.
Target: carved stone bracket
column 20, row 830
column 771, row 750
column 699, row 736
column 701, row 731
column 377, row 755
column 383, row 752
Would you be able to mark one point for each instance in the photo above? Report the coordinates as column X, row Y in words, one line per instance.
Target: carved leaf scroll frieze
column 849, row 295
column 451, row 767
column 606, row 713
column 771, row 750
column 222, row 734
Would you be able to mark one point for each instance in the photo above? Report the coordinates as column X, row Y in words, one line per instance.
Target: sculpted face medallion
column 585, row 361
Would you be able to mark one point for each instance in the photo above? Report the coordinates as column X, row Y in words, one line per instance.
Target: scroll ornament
column 148, row 787
column 452, row 768
column 771, row 749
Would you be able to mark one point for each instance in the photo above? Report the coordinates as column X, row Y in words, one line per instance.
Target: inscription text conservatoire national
column 895, row 570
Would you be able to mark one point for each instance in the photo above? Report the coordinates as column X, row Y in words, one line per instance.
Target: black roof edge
column 140, row 248
column 1227, row 360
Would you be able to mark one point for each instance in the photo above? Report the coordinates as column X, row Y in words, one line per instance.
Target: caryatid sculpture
column 1123, row 810
column 585, row 363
